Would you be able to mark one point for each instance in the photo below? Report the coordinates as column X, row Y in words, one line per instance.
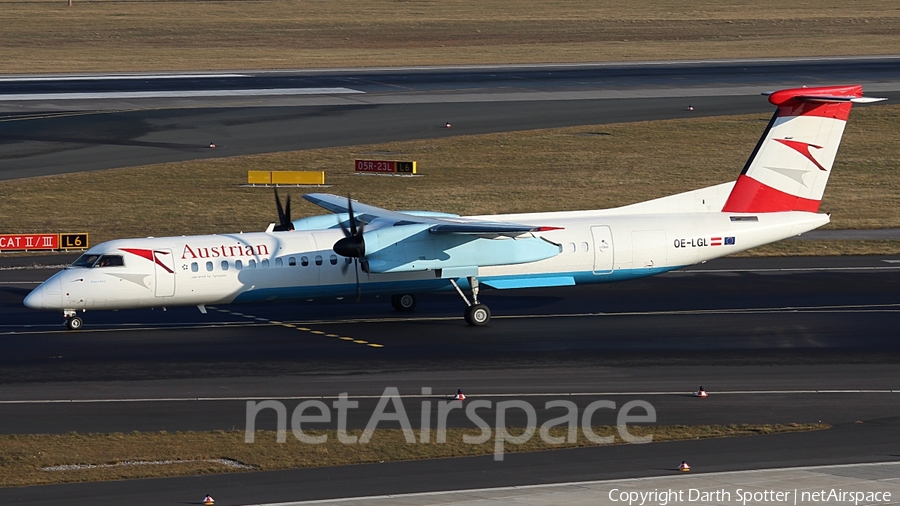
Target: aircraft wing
column 367, row 214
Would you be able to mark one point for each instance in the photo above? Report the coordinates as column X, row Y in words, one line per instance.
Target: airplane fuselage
column 594, row 247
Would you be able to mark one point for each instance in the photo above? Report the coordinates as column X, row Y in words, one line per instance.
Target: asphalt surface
column 777, row 340
column 50, row 135
column 873, row 441
column 768, row 326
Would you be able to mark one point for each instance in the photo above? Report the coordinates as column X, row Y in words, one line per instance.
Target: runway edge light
column 208, row 500
column 701, row 393
column 684, row 467
column 460, row 396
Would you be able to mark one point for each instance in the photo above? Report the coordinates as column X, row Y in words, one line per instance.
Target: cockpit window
column 86, row 260
column 110, row 261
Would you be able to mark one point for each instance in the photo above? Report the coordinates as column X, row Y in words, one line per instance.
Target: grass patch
column 22, row 457
column 112, row 35
column 531, row 171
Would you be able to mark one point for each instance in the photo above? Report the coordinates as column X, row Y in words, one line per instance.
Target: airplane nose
column 35, row 299
column 48, row 295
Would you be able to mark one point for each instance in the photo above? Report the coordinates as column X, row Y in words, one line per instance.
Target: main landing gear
column 476, row 314
column 73, row 322
column 404, row 302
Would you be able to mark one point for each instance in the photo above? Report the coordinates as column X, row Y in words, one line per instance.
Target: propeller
column 284, row 214
column 353, row 245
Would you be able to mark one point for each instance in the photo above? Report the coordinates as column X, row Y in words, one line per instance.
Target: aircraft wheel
column 404, row 302
column 74, row 323
column 477, row 315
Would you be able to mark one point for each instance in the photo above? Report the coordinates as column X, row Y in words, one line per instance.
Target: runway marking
column 449, row 396
column 262, row 92
column 860, row 308
column 404, row 498
column 846, row 309
column 292, row 326
column 49, row 115
column 117, row 77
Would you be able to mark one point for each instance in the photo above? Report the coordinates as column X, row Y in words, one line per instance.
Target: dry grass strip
column 22, row 457
column 111, row 35
column 585, row 167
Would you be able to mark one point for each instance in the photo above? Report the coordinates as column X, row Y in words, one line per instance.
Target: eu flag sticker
column 729, row 240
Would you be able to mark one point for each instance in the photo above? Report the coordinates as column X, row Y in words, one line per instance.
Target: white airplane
column 405, row 253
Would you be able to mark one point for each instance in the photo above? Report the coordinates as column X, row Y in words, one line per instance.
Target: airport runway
column 737, row 325
column 59, row 131
column 773, row 340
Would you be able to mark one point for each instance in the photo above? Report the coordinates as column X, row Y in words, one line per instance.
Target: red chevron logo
column 149, row 255
column 803, row 149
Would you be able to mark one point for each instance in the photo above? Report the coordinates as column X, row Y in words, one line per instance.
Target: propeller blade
column 287, row 213
column 278, row 205
column 352, row 216
column 284, row 214
column 344, row 228
column 356, row 269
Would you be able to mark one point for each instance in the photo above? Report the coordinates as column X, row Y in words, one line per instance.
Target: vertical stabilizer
column 791, row 163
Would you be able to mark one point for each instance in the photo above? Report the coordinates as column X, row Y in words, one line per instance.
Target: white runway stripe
column 116, row 77
column 177, row 94
column 848, row 309
column 450, row 395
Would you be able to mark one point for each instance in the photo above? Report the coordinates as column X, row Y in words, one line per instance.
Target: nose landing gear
column 73, row 322
column 476, row 314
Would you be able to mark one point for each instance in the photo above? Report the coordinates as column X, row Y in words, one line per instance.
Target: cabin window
column 251, row 264
column 304, row 261
column 292, row 261
column 194, row 267
column 209, row 266
column 238, row 264
column 333, row 259
column 279, row 262
column 570, row 247
column 224, row 265
column 264, row 264
column 318, row 259
column 585, row 247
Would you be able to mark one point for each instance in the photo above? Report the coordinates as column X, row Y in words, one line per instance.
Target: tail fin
column 791, row 163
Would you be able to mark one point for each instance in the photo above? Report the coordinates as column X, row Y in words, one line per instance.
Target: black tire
column 478, row 315
column 404, row 302
column 74, row 323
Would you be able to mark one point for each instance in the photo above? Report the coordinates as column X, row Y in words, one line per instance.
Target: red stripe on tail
column 751, row 196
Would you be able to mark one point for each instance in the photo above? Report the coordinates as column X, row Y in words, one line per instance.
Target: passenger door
column 603, row 250
column 164, row 272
